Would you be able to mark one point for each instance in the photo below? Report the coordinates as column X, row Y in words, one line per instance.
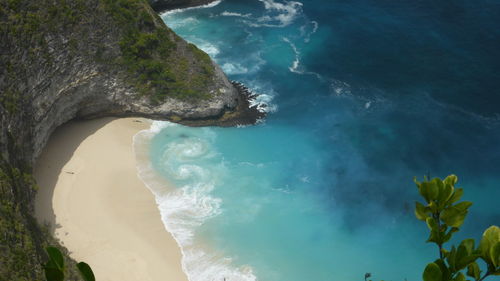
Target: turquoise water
column 362, row 96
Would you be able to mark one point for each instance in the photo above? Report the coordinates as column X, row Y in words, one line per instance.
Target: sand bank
column 99, row 209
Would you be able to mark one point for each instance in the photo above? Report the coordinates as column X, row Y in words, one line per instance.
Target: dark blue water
column 363, row 96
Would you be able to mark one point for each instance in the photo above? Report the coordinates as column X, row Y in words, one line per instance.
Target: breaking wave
column 189, row 205
column 175, row 11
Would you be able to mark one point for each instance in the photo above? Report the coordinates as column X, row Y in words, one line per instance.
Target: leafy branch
column 444, row 216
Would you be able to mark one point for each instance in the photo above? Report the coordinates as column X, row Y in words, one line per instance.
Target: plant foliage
column 55, row 268
column 444, row 214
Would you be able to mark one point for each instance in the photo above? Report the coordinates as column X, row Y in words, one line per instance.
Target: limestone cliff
column 66, row 59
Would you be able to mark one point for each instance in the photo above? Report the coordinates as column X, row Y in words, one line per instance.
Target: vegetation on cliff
column 43, row 44
column 148, row 53
column 21, row 238
column 157, row 62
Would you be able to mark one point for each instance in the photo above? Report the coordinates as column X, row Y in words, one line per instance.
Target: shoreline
column 159, row 7
column 98, row 207
column 183, row 210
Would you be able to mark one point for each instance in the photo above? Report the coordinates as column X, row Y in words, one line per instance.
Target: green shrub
column 444, row 215
column 150, row 56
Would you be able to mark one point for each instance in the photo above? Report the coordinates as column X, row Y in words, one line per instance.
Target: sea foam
column 186, row 207
column 276, row 14
column 175, row 11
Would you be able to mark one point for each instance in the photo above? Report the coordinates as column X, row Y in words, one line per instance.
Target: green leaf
column 459, row 277
column 439, row 186
column 54, row 274
column 451, row 180
column 435, row 234
column 456, row 195
column 428, row 190
column 432, row 273
column 86, row 271
column 433, row 207
column 445, row 272
column 495, row 254
column 56, row 257
column 451, row 257
column 463, row 205
column 474, row 271
column 431, row 223
column 465, row 261
column 454, row 216
column 445, row 194
column 491, row 236
column 421, row 212
column 433, row 191
column 468, row 244
column 449, row 234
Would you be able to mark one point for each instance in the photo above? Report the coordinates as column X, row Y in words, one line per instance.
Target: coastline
column 162, row 6
column 98, row 207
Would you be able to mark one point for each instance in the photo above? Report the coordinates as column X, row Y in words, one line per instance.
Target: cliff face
column 91, row 58
column 62, row 59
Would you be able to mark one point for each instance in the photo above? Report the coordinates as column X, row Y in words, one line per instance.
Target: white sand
column 102, row 212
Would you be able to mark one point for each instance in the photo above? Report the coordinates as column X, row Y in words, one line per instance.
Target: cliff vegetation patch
column 152, row 54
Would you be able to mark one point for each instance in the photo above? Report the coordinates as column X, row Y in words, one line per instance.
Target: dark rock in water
column 243, row 114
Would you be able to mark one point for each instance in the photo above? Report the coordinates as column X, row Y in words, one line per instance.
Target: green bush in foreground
column 444, row 215
column 54, row 268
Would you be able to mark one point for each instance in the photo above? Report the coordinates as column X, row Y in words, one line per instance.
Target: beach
column 90, row 194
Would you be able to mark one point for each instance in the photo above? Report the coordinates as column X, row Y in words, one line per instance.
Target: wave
column 176, row 23
column 277, row 14
column 236, row 68
column 248, row 65
column 295, row 65
column 190, row 205
column 175, row 11
column 232, row 14
column 263, row 97
column 307, row 35
column 208, row 47
column 339, row 88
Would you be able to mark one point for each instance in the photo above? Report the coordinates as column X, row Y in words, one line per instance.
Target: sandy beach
column 99, row 209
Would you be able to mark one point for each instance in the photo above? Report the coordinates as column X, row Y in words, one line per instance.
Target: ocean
column 362, row 96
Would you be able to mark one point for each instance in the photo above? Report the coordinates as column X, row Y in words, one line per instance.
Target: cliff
column 64, row 59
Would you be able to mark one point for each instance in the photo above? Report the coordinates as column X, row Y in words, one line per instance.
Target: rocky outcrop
column 80, row 69
column 88, row 92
